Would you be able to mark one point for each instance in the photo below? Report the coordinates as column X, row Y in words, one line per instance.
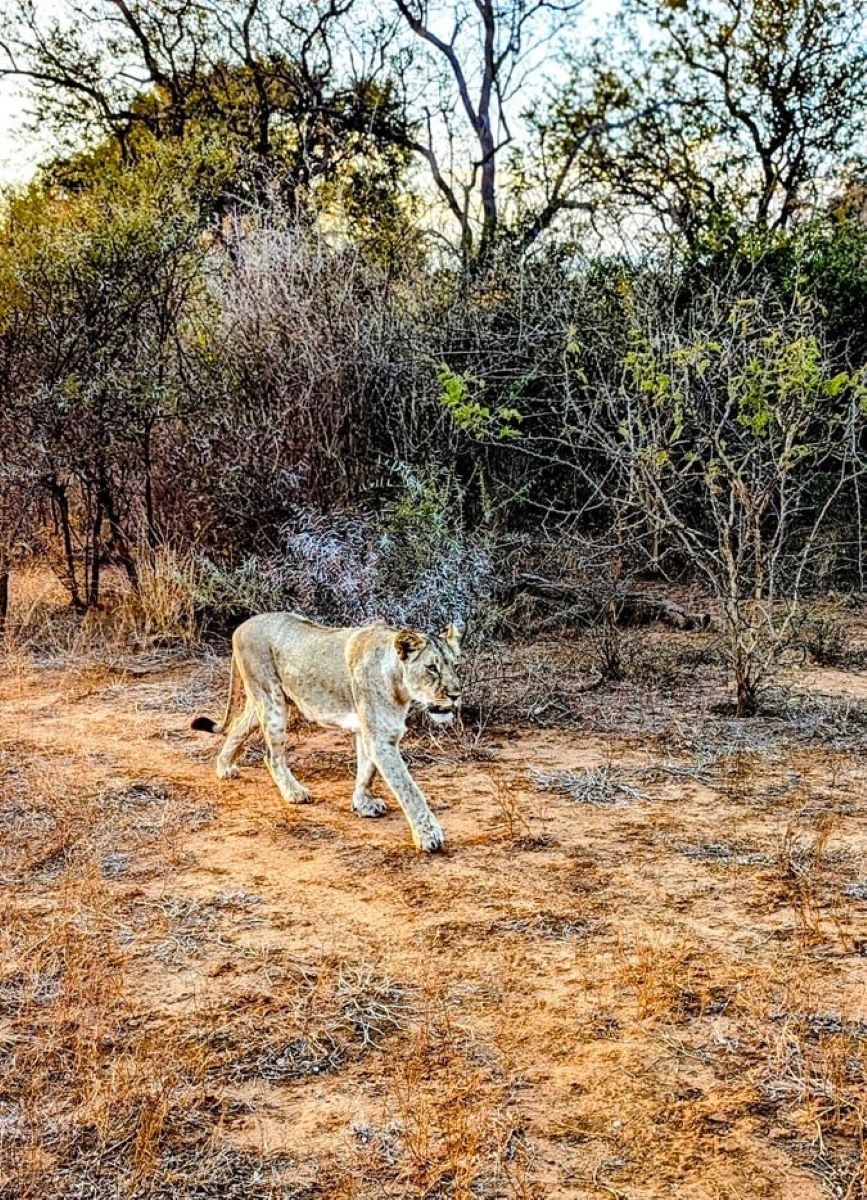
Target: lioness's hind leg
column 239, row 731
column 271, row 706
column 363, row 802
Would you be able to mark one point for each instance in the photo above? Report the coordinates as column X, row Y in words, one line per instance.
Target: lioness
column 361, row 679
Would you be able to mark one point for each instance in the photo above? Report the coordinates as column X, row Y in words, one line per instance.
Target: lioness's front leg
column 426, row 830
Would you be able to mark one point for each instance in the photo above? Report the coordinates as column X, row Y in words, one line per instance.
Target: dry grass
column 165, row 608
column 597, row 785
column 512, row 817
column 446, row 1127
column 161, row 615
column 810, row 1069
column 328, row 1013
column 638, row 971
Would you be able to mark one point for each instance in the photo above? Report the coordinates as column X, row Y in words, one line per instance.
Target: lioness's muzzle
column 442, row 713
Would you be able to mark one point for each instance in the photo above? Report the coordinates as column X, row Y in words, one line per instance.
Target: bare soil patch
column 639, row 970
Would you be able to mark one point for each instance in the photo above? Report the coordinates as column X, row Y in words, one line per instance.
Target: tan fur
column 362, row 679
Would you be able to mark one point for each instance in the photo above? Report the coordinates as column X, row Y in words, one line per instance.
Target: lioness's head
column 430, row 669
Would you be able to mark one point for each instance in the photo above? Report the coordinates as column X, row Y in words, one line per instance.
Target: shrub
column 353, row 566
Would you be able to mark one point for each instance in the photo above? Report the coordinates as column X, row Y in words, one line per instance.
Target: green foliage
column 422, row 526
column 460, row 398
column 85, row 275
column 783, row 380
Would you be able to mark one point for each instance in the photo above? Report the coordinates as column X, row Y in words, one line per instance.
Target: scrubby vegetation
column 234, row 333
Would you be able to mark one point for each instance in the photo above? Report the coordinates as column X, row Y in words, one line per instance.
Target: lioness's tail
column 205, row 723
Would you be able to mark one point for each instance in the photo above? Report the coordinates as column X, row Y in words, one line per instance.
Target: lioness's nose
column 453, row 695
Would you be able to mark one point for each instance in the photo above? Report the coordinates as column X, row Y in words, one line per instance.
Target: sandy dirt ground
column 638, row 970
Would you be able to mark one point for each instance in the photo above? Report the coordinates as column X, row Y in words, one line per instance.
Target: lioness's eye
column 431, row 670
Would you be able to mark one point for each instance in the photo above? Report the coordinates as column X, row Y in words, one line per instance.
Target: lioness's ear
column 454, row 635
column 407, row 642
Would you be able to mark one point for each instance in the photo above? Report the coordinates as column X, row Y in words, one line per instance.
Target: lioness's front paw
column 367, row 805
column 300, row 795
column 429, row 837
column 227, row 771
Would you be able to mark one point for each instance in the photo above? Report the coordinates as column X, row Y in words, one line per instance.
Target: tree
column 745, row 110
column 463, row 95
column 95, row 292
column 261, row 74
column 327, row 103
column 734, row 438
column 17, row 507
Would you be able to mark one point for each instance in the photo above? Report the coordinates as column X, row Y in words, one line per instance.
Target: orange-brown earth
column 206, row 993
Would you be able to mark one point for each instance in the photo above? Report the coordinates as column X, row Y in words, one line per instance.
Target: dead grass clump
column 46, row 822
column 449, row 1128
column 511, row 823
column 667, row 658
column 128, row 814
column 163, row 610
column 174, row 929
column 702, row 768
column 812, row 1067
column 151, row 1133
column 748, row 775
column 723, row 853
column 741, row 772
column 61, row 989
column 827, row 638
column 160, row 614
column 672, row 983
column 553, row 926
column 281, row 1059
column 327, row 1014
column 838, row 722
column 138, row 793
column 114, row 865
column 40, row 622
column 196, row 1162
column 601, row 786
column 804, row 864
column 366, row 1006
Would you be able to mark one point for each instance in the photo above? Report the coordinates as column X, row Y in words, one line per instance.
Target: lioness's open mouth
column 440, row 714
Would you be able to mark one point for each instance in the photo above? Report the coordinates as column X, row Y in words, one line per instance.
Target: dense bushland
column 164, row 386
column 238, row 348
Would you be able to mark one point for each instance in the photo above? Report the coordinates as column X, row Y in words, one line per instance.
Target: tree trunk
column 61, row 507
column 489, row 197
column 150, row 518
column 4, row 592
column 95, row 563
column 746, row 692
column 745, row 680
column 119, row 544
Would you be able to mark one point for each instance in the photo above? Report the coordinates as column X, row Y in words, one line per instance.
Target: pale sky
column 19, row 152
